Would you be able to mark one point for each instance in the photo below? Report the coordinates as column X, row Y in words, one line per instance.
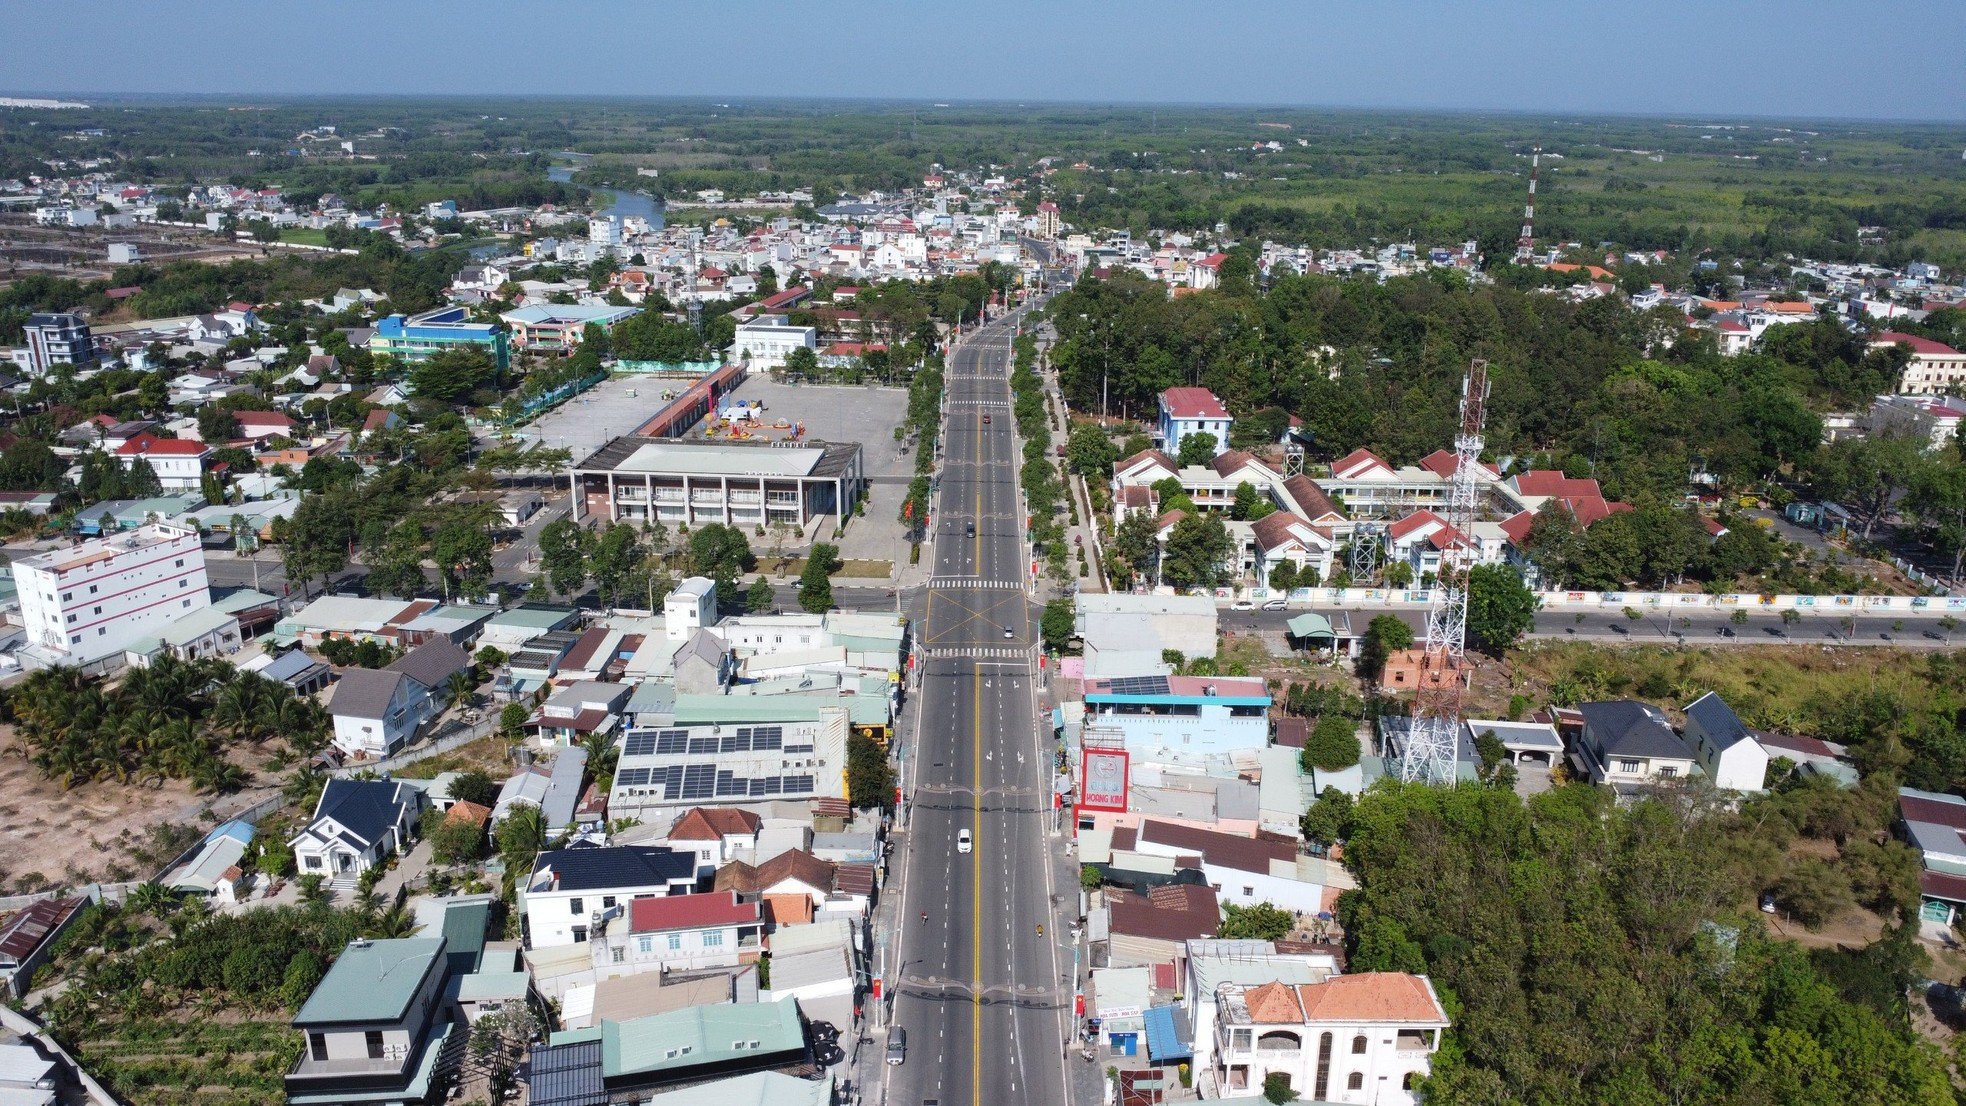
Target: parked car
column 1276, row 604
column 1243, row 605
column 897, row 1045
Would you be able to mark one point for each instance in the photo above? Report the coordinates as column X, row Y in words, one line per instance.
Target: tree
column 1246, row 500
column 1276, row 1086
column 1197, row 548
column 1057, row 623
column 870, row 778
column 1256, row 922
column 1332, row 746
column 816, row 581
column 1283, row 576
column 462, row 549
column 760, row 597
column 719, row 551
column 1196, row 449
column 1327, row 819
column 1501, row 608
column 801, row 362
column 1867, row 474
column 498, row 1040
column 1089, row 450
column 474, row 786
column 1137, row 546
column 561, row 558
column 1554, row 542
column 1937, row 499
column 455, row 840
column 452, row 375
column 1385, row 635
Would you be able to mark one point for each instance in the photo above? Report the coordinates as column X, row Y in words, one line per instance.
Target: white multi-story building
column 93, row 599
column 1366, row 1038
column 766, row 340
column 573, row 893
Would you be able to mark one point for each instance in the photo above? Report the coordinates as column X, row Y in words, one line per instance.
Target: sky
column 1798, row 58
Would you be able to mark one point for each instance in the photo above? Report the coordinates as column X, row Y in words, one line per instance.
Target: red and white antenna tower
column 1433, row 739
column 1525, row 246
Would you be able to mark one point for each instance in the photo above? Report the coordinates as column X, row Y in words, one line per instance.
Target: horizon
column 1674, row 58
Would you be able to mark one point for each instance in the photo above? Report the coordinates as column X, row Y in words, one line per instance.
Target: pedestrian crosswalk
column 978, row 652
column 973, row 583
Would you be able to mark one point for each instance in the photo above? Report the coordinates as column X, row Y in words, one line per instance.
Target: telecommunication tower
column 1525, row 246
column 1362, row 558
column 1433, row 740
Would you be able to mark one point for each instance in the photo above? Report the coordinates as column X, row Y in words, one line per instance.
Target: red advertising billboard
column 1102, row 779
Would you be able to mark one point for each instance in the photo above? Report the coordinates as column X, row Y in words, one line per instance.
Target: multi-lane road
column 1693, row 628
column 974, row 977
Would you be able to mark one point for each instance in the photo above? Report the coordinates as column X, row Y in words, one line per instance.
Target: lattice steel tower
column 1525, row 246
column 1433, row 739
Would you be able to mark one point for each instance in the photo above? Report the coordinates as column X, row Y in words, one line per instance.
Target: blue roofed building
column 415, row 338
column 1181, row 717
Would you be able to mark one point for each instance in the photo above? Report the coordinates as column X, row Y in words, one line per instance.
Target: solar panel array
column 687, row 782
column 641, row 743
column 1138, row 685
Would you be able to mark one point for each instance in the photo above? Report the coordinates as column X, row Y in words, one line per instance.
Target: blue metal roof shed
column 1168, row 1035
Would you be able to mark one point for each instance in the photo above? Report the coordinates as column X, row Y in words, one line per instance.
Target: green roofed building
column 378, row 1029
column 691, row 1045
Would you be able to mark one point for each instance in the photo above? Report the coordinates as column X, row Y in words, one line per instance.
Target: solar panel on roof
column 699, row 781
column 671, row 742
column 632, row 777
column 638, row 743
column 797, row 784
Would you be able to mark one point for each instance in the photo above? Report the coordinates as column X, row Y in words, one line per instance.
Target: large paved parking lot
column 845, row 413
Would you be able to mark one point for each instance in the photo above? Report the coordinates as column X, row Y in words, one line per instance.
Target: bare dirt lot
column 66, row 838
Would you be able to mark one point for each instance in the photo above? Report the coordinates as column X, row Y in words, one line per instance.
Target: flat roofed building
column 417, row 337
column 559, row 327
column 93, row 599
column 636, row 479
column 55, row 338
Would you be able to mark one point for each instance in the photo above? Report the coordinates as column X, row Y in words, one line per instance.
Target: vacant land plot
column 69, row 837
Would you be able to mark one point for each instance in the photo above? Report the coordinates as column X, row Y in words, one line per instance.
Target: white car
column 963, row 843
column 1243, row 605
column 1274, row 605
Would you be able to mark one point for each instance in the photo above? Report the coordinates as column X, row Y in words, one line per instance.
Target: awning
column 1168, row 1035
column 1310, row 624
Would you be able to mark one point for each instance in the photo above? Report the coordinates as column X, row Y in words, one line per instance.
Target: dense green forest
column 1590, row 952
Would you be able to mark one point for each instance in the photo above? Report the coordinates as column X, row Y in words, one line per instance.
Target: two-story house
column 1727, row 752
column 1185, row 411
column 715, row 929
column 715, row 834
column 356, row 824
column 178, row 462
column 377, row 1027
column 573, row 891
column 582, row 708
column 376, row 712
column 1627, row 744
column 1365, row 1038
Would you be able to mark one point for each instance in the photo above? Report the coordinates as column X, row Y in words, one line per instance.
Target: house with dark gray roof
column 378, row 712
column 1726, row 749
column 356, row 824
column 574, row 891
column 1626, row 743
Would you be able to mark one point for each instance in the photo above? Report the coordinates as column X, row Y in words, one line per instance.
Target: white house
column 1365, row 1038
column 1728, row 754
column 766, row 340
column 376, row 712
column 572, row 892
column 178, row 462
column 1185, row 411
column 690, row 606
column 356, row 824
column 1244, row 871
column 680, row 933
column 716, row 834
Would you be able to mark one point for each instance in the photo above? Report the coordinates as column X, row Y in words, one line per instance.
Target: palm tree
column 461, row 686
column 150, row 897
column 394, row 922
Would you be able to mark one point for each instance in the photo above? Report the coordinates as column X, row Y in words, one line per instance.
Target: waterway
column 624, row 203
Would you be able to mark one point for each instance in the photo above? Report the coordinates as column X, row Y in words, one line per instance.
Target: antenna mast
column 1525, row 246
column 1433, row 739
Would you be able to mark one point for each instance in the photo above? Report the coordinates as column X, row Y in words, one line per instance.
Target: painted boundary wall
column 1618, row 600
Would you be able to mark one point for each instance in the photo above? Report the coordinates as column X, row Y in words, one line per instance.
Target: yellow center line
column 976, row 833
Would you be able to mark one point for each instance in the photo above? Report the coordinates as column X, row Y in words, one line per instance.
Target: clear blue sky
column 1904, row 60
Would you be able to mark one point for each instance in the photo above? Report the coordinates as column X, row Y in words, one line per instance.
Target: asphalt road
column 975, row 984
column 1905, row 631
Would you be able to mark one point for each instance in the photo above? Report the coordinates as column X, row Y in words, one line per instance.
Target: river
column 625, row 203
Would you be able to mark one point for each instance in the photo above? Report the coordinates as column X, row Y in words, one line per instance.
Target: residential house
column 624, row 1061
column 1246, row 870
column 554, row 792
column 1181, row 716
column 574, row 890
column 178, row 462
column 1155, row 927
column 1365, row 1038
column 1186, row 411
column 715, row 834
column 377, row 1028
column 27, row 935
column 1935, row 824
column 356, row 824
column 577, row 711
column 680, row 933
column 796, row 887
column 1726, row 750
column 376, row 712
column 1626, row 743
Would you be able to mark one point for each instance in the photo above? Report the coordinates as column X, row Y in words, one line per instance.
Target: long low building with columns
column 637, row 479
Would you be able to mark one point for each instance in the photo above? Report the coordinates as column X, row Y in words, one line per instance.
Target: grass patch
column 850, row 570
column 304, row 236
